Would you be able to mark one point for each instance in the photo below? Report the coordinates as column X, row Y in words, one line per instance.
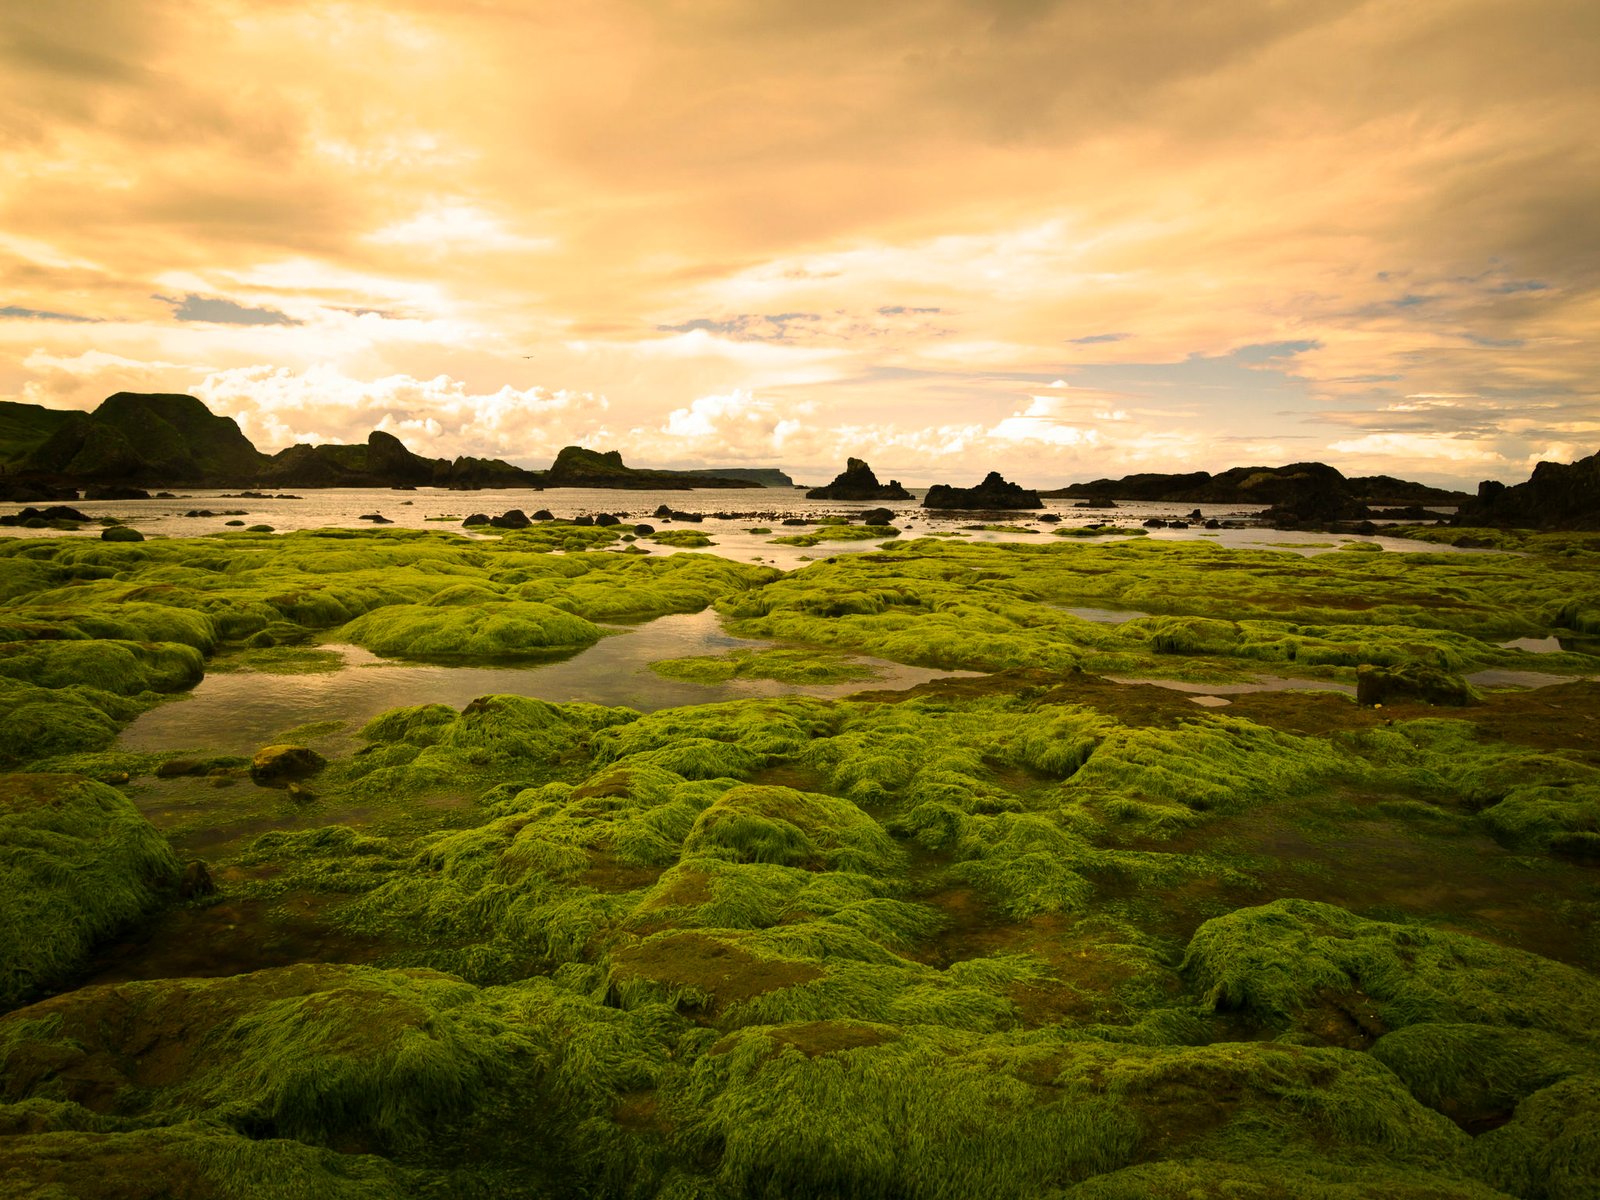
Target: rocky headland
column 135, row 441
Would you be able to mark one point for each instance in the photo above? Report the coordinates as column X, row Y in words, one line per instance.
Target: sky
column 1064, row 239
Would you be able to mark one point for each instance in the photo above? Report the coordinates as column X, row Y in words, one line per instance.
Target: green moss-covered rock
column 507, row 630
column 77, row 862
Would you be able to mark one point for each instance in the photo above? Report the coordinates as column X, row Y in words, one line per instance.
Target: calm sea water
column 745, row 508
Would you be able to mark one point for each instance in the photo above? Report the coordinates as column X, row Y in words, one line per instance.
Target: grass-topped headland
column 1028, row 932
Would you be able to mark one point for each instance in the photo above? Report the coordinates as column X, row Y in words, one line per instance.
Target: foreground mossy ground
column 1030, row 933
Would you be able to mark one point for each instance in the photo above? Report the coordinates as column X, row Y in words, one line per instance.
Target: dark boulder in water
column 544, row 514
column 278, row 766
column 515, row 519
column 375, row 518
column 857, row 482
column 476, row 519
column 606, row 519
column 196, row 881
column 877, row 516
column 643, row 530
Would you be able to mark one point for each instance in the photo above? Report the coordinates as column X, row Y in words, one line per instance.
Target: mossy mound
column 510, row 629
column 1286, row 963
column 77, row 862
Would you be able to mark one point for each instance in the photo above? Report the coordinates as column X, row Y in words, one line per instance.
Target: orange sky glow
column 1062, row 239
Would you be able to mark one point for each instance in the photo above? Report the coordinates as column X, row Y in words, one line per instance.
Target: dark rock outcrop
column 994, row 492
column 877, row 516
column 578, row 467
column 857, row 482
column 1384, row 685
column 1556, row 496
column 1252, row 485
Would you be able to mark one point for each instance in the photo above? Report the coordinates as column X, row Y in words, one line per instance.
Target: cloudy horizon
column 1064, row 240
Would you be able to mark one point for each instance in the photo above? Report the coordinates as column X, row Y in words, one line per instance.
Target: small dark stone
column 276, row 766
column 606, row 519
column 1213, row 523
column 476, row 519
column 643, row 530
column 1049, row 518
column 375, row 518
column 583, row 520
column 1155, row 523
column 544, row 514
column 196, row 881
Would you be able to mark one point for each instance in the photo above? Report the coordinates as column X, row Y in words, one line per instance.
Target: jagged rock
column 1556, row 496
column 1381, row 685
column 277, row 766
column 994, row 492
column 857, row 482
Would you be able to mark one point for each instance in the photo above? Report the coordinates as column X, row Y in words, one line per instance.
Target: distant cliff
column 577, row 467
column 147, row 440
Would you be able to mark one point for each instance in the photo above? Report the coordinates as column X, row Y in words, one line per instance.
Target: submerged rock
column 277, row 766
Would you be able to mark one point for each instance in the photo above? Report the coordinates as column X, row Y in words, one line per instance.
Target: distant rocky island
column 137, row 440
column 993, row 492
column 858, row 482
column 1258, row 485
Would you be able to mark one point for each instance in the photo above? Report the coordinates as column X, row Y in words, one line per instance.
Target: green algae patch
column 512, row 629
column 1548, row 1148
column 1087, row 531
column 784, row 666
column 77, row 863
column 683, row 539
column 836, row 533
column 278, row 660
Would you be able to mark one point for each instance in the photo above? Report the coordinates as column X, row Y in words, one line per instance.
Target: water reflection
column 237, row 712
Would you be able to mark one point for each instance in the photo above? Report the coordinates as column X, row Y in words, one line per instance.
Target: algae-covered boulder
column 510, row 629
column 121, row 533
column 1415, row 681
column 41, row 721
column 278, row 766
column 1551, row 1148
column 77, row 862
column 322, row 1053
column 1297, row 964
